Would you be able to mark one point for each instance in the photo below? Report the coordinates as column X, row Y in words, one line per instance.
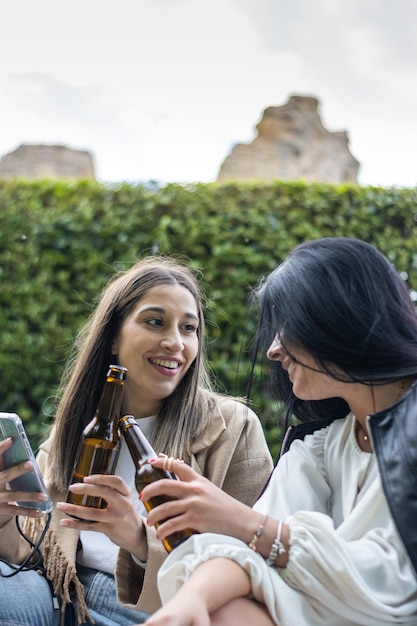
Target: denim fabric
column 26, row 600
column 101, row 598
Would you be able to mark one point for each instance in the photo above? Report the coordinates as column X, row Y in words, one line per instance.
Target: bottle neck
column 105, row 422
column 139, row 447
column 110, row 404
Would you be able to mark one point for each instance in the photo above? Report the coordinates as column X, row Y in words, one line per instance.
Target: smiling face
column 157, row 343
column 309, row 383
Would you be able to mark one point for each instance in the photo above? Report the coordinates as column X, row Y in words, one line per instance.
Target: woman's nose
column 274, row 351
column 172, row 340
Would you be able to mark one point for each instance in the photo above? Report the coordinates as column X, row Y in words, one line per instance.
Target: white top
column 347, row 565
column 97, row 550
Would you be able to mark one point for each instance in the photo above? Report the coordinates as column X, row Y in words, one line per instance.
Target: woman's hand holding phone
column 22, row 491
column 8, row 508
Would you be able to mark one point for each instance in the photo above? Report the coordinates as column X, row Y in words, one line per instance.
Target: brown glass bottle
column 99, row 447
column 141, row 452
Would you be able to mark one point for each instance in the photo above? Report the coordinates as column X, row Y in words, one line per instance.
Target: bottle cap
column 117, row 371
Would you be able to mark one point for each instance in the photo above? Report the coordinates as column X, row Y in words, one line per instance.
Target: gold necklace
column 361, row 431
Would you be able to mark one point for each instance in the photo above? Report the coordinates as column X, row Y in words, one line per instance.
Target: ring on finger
column 168, row 461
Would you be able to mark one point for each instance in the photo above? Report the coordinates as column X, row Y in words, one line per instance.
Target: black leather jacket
column 394, row 440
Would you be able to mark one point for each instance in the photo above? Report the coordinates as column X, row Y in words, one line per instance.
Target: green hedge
column 60, row 241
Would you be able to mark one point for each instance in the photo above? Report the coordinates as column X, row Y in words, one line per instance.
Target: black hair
column 344, row 303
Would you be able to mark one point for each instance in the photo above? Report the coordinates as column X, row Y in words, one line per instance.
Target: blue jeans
column 101, row 598
column 26, row 600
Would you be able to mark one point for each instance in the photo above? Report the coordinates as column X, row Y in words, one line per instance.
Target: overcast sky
column 163, row 89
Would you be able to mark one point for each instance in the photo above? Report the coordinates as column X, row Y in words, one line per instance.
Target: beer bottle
column 141, row 452
column 99, row 447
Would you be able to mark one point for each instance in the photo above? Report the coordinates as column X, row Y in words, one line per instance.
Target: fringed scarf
column 59, row 572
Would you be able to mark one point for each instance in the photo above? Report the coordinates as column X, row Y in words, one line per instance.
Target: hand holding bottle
column 196, row 503
column 99, row 447
column 142, row 452
column 120, row 520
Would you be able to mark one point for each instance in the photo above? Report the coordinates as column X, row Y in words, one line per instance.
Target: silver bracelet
column 277, row 547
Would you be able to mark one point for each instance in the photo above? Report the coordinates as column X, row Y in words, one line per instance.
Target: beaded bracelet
column 258, row 533
column 277, row 547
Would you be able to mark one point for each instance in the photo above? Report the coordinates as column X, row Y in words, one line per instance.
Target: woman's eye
column 156, row 321
column 190, row 328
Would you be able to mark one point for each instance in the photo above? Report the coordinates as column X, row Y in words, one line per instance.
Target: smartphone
column 12, row 426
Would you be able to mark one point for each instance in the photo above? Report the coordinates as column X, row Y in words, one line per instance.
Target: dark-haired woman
column 333, row 539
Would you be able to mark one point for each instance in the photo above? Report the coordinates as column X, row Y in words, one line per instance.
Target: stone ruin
column 292, row 144
column 39, row 161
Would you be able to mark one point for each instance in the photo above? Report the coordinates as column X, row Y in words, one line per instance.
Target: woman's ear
column 114, row 347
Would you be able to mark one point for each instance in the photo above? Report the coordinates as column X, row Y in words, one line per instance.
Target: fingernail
column 140, row 495
column 75, row 487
